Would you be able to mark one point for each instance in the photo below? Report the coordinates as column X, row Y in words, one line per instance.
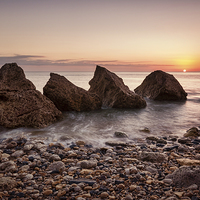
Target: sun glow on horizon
column 184, row 70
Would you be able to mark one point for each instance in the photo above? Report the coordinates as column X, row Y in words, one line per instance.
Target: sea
column 162, row 118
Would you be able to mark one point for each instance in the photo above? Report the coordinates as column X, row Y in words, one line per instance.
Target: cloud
column 41, row 62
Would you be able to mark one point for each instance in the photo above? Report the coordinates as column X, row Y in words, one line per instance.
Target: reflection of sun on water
column 184, row 70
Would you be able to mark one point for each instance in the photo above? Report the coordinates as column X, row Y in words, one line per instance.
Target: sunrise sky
column 121, row 35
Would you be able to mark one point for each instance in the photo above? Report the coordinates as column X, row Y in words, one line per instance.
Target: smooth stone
column 189, row 162
column 120, row 134
column 87, row 164
column 18, row 153
column 57, row 166
column 54, row 157
column 104, row 195
column 47, row 192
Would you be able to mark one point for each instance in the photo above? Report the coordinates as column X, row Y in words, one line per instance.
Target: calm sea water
column 97, row 127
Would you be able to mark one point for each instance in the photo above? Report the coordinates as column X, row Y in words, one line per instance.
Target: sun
column 184, row 70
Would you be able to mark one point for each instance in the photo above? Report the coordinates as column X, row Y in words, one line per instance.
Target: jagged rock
column 21, row 105
column 112, row 91
column 161, row 86
column 68, row 97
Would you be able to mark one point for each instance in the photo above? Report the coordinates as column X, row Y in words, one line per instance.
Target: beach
column 154, row 168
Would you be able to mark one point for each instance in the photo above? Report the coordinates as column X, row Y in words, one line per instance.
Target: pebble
column 36, row 170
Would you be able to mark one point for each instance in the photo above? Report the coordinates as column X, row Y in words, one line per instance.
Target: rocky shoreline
column 157, row 168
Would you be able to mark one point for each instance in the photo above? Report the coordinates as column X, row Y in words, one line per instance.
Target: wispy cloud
column 36, row 61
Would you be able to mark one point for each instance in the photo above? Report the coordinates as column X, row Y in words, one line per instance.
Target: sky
column 121, row 35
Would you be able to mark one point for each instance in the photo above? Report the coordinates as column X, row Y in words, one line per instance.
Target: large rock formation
column 21, row 105
column 68, row 97
column 160, row 86
column 112, row 91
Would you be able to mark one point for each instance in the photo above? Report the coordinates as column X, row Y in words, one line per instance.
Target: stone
column 104, row 195
column 28, row 147
column 57, row 166
column 186, row 176
column 61, row 193
column 11, row 145
column 184, row 140
column 152, row 156
column 47, row 192
column 193, row 187
column 120, row 134
column 8, row 166
column 128, row 197
column 21, row 105
column 7, row 183
column 161, row 86
column 68, row 97
column 18, row 153
column 87, row 164
column 28, row 177
column 192, row 132
column 112, row 90
column 54, row 157
column 187, row 161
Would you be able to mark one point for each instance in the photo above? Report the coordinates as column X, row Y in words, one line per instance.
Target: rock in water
column 68, row 97
column 112, row 91
column 21, row 105
column 161, row 86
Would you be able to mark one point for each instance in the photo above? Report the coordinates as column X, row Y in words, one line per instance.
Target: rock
column 186, row 176
column 184, row 140
column 192, row 132
column 18, row 153
column 186, row 161
column 152, row 156
column 68, row 97
column 7, row 183
column 113, row 144
column 11, row 145
column 145, row 130
column 57, row 166
column 120, row 135
column 151, row 170
column 104, row 195
column 112, row 91
column 21, row 105
column 161, row 86
column 193, row 187
column 8, row 166
column 54, row 157
column 87, row 164
column 47, row 192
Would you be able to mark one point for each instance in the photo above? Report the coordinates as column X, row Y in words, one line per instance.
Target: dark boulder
column 161, row 86
column 21, row 105
column 112, row 91
column 68, row 97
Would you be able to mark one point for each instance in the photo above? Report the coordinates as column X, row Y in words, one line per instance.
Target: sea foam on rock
column 68, row 97
column 112, row 90
column 161, row 86
column 21, row 105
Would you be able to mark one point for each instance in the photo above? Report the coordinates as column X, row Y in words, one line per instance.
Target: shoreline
column 158, row 168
